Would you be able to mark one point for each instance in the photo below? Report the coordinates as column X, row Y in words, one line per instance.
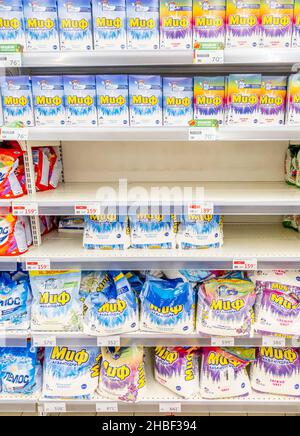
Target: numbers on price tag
column 109, row 341
column 38, row 265
column 208, row 57
column 14, row 134
column 200, row 209
column 87, row 209
column 10, row 60
column 170, row 407
column 55, row 407
column 43, row 341
column 107, row 407
column 203, row 134
column 271, row 341
column 222, row 342
column 25, row 209
column 245, row 265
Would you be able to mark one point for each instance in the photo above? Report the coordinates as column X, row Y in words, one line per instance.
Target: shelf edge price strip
column 245, row 265
column 55, row 407
column 271, row 341
column 43, row 341
column 170, row 407
column 107, row 407
column 87, row 209
column 209, row 53
column 25, row 209
column 205, row 208
column 14, row 134
column 108, row 341
column 222, row 342
column 203, row 134
column 38, row 265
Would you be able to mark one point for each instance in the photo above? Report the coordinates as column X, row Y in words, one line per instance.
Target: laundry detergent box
column 80, row 100
column 145, row 97
column 109, row 21
column 12, row 27
column 17, row 101
column 176, row 24
column 243, row 19
column 142, row 24
column 276, row 23
column 75, row 25
column 112, row 100
column 243, row 98
column 273, row 100
column 293, row 113
column 210, row 98
column 41, row 25
column 209, row 18
column 48, row 100
column 178, row 98
column 296, row 31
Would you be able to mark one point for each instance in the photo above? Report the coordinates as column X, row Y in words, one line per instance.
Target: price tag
column 44, row 341
column 25, row 209
column 38, row 265
column 222, row 342
column 170, row 407
column 271, row 341
column 55, row 407
column 109, row 341
column 14, row 134
column 296, row 342
column 108, row 407
column 245, row 265
column 208, row 57
column 87, row 209
column 203, row 134
column 200, row 209
column 10, row 60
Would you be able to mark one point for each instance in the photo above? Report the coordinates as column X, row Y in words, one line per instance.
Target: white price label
column 107, row 407
column 14, row 134
column 43, row 341
column 208, row 57
column 222, row 342
column 245, row 265
column 170, row 407
column 109, row 341
column 87, row 209
column 25, row 209
column 55, row 407
column 271, row 341
column 200, row 209
column 203, row 134
column 38, row 265
column 12, row 60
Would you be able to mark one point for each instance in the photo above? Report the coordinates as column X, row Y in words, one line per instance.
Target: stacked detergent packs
column 292, row 165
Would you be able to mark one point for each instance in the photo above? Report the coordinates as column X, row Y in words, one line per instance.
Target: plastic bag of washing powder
column 152, row 231
column 135, row 281
column 223, row 372
column 277, row 308
column 122, row 373
column 71, row 224
column 112, row 309
column 12, row 172
column 47, row 166
column 167, row 306
column 13, row 241
column 56, row 303
column 292, row 167
column 276, row 371
column 200, row 231
column 15, row 297
column 19, row 371
column 226, row 307
column 106, row 232
column 177, row 369
column 71, row 372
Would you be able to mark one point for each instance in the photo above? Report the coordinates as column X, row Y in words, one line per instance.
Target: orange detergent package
column 13, row 239
column 12, row 172
column 47, row 168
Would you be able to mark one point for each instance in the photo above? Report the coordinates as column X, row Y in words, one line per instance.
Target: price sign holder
column 208, row 53
column 108, row 341
column 14, row 133
column 10, row 55
column 206, row 208
column 87, row 209
column 222, row 342
column 170, row 407
column 38, row 265
column 245, row 265
column 25, row 209
column 203, row 130
column 273, row 341
column 107, row 407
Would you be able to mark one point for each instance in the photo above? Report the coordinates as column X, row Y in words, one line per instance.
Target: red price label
column 245, row 265
column 28, row 209
column 38, row 265
column 201, row 209
column 87, row 209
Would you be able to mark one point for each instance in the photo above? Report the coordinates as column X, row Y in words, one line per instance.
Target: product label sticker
column 38, row 265
column 87, row 209
column 25, row 209
column 14, row 134
column 245, row 265
column 206, row 208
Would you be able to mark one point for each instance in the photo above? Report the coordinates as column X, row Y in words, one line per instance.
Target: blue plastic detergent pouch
column 200, row 231
column 135, row 281
column 15, row 298
column 106, row 232
column 167, row 306
column 56, row 304
column 71, row 372
column 18, row 371
column 113, row 309
column 12, row 28
column 152, row 231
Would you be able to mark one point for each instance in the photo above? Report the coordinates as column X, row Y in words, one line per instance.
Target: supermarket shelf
column 272, row 245
column 228, row 198
column 167, row 134
column 14, row 338
column 8, row 263
column 19, row 403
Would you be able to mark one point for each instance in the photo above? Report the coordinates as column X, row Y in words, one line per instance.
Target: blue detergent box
column 143, row 24
column 80, row 101
column 41, row 25
column 75, row 25
column 109, row 20
column 48, row 101
column 12, row 27
column 178, row 101
column 112, row 100
column 17, row 101
column 145, row 99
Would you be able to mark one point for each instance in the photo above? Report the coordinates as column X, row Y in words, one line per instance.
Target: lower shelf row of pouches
column 120, row 373
column 211, row 303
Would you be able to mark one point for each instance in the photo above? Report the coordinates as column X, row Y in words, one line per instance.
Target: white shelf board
column 19, row 403
column 234, row 198
column 272, row 245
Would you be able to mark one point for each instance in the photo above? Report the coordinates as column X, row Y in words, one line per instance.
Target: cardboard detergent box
column 80, row 100
column 145, row 100
column 243, row 23
column 178, row 101
column 210, row 98
column 176, row 24
column 209, row 18
column 296, row 31
column 109, row 21
column 112, row 100
column 277, row 23
column 12, row 26
column 273, row 100
column 142, row 24
column 293, row 112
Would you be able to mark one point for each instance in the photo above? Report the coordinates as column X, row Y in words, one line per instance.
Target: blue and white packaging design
column 178, row 101
column 75, row 25
column 106, row 232
column 109, row 19
column 167, row 306
column 80, row 101
column 113, row 309
column 152, row 231
column 48, row 100
column 200, row 231
column 145, row 97
column 112, row 100
column 56, row 304
column 17, row 101
column 12, row 28
column 41, row 25
column 71, row 372
column 142, row 24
